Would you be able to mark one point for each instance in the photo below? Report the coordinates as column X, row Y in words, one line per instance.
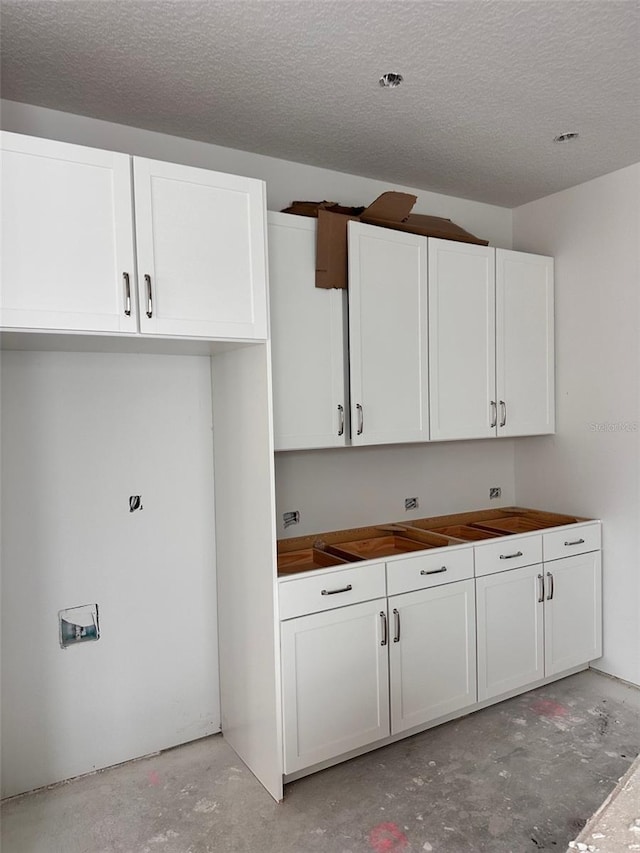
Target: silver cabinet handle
column 551, row 586
column 360, row 418
column 147, row 281
column 503, row 408
column 396, row 619
column 346, row 588
column 383, row 616
column 127, row 293
column 575, row 542
column 494, row 414
column 510, row 556
column 541, row 593
column 340, row 420
column 433, row 571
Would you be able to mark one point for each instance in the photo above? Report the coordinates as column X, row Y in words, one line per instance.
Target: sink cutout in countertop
column 518, row 524
column 379, row 546
column 306, row 560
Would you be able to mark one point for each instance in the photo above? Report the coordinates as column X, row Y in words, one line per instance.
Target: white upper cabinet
column 387, row 335
column 524, row 343
column 201, row 252
column 461, row 340
column 308, row 331
column 67, row 237
column 491, row 347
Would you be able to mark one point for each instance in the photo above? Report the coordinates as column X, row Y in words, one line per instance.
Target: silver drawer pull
column 541, row 593
column 147, row 281
column 494, row 414
column 127, row 293
column 551, row 586
column 509, row 556
column 346, row 588
column 360, row 419
column 575, row 542
column 341, row 420
column 383, row 616
column 396, row 618
column 503, row 419
column 433, row 571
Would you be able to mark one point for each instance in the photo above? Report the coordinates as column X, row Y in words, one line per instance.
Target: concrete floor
column 521, row 776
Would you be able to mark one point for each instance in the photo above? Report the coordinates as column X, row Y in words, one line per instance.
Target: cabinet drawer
column 429, row 570
column 577, row 539
column 331, row 589
column 508, row 553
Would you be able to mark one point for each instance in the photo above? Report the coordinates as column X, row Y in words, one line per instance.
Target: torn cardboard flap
column 331, row 250
column 390, row 207
column 393, row 210
column 389, row 210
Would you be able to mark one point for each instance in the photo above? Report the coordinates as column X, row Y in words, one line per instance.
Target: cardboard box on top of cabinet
column 389, row 210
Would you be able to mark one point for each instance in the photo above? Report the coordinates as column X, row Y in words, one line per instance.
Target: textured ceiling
column 488, row 83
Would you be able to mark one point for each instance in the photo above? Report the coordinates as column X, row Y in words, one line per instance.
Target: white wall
column 286, row 181
column 592, row 465
column 356, row 486
column 80, row 433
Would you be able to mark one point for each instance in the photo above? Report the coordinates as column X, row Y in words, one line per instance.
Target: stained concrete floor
column 521, row 776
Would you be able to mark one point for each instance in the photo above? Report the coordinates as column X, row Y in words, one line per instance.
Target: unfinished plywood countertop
column 382, row 541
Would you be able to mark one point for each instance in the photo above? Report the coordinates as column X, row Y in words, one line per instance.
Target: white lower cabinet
column 538, row 621
column 510, row 630
column 335, row 681
column 572, row 611
column 432, row 653
column 356, row 673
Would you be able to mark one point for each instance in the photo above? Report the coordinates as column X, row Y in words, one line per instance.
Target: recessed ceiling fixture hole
column 566, row 137
column 390, row 80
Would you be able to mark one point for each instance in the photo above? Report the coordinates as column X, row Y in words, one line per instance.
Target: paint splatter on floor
column 387, row 837
column 154, row 778
column 548, row 708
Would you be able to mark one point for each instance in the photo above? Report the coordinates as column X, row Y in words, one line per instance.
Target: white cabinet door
column 432, row 650
column 461, row 340
column 573, row 611
column 524, row 343
column 308, row 341
column 510, row 619
column 67, row 237
column 201, row 252
column 387, row 335
column 335, row 682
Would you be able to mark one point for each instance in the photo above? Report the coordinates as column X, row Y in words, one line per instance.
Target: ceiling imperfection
column 566, row 137
column 391, row 80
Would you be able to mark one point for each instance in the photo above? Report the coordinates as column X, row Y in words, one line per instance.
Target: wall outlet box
column 78, row 625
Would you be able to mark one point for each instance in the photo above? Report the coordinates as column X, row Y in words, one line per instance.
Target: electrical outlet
column 290, row 518
column 411, row 503
column 495, row 492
